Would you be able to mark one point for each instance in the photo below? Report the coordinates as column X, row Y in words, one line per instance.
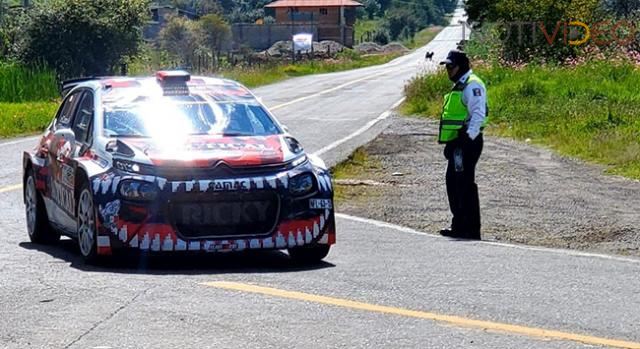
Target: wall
column 261, row 37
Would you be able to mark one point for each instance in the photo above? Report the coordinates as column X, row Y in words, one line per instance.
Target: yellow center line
column 10, row 188
column 454, row 320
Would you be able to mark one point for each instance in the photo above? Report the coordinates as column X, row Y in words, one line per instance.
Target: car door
column 63, row 148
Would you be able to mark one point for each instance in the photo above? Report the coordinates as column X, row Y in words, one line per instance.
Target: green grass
column 24, row 118
column 252, row 77
column 362, row 26
column 359, row 162
column 20, row 84
column 422, row 37
column 590, row 111
column 28, row 99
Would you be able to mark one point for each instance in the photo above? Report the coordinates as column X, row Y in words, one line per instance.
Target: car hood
column 205, row 151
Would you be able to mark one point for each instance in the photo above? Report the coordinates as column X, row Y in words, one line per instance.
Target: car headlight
column 138, row 190
column 127, row 166
column 301, row 184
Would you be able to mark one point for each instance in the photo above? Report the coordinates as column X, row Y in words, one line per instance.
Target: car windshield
column 187, row 115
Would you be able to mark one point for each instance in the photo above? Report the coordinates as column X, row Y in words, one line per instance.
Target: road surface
column 381, row 286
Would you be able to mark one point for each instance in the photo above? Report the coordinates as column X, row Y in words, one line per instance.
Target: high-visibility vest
column 454, row 113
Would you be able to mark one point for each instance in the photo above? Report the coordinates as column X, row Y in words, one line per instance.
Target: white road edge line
column 332, row 89
column 499, row 244
column 29, row 139
column 361, row 130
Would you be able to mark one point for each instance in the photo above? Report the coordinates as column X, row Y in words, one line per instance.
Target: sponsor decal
column 67, row 176
column 109, row 213
column 63, row 196
column 320, row 204
column 227, row 146
column 225, row 213
column 219, row 185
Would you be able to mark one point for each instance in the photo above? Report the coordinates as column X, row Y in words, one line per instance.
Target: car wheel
column 38, row 227
column 86, row 223
column 309, row 254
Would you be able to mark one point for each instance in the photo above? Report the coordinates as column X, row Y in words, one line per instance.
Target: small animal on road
column 429, row 55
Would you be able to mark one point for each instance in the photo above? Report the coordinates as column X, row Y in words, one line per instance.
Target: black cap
column 456, row 57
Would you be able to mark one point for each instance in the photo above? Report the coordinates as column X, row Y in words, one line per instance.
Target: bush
column 381, row 37
column 85, row 37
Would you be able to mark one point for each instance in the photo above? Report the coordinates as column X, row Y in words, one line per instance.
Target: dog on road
column 429, row 55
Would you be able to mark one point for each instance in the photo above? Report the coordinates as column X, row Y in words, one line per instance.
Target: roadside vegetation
column 591, row 111
column 580, row 100
column 358, row 164
column 256, row 76
column 28, row 99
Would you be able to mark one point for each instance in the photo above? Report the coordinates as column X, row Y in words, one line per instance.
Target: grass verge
column 591, row 111
column 20, row 84
column 354, row 167
column 24, row 118
column 253, row 77
column 423, row 37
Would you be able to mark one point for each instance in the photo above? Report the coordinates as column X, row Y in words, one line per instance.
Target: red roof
column 314, row 3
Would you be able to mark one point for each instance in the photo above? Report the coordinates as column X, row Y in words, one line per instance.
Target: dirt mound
column 320, row 49
column 373, row 48
column 368, row 48
column 394, row 47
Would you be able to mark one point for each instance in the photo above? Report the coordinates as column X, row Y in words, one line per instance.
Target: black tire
column 86, row 223
column 309, row 254
column 38, row 227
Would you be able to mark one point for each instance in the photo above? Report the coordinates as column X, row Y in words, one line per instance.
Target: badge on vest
column 477, row 92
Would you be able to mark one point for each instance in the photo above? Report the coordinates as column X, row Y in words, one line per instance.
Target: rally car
column 174, row 163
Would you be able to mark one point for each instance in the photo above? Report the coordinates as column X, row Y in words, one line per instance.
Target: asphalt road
column 381, row 286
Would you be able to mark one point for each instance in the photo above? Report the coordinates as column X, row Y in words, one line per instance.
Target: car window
column 83, row 118
column 187, row 115
column 65, row 113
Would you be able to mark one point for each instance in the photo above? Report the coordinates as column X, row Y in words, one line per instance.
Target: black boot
column 451, row 233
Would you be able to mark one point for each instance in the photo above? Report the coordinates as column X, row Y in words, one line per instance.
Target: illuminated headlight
column 126, row 166
column 300, row 160
column 301, row 184
column 138, row 190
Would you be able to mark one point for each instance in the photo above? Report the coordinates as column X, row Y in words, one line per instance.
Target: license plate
column 320, row 204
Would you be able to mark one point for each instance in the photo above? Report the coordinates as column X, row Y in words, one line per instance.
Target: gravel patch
column 528, row 194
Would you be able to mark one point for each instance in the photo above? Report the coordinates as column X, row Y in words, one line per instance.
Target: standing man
column 463, row 119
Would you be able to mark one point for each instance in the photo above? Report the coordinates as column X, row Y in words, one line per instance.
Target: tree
column 200, row 7
column 13, row 33
column 215, row 33
column 180, row 39
column 85, row 37
column 371, row 8
column 397, row 20
column 521, row 23
column 623, row 8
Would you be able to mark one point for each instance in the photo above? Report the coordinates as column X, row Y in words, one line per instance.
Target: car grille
column 225, row 215
column 220, row 171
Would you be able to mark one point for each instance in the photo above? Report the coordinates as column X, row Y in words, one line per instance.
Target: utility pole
column 464, row 27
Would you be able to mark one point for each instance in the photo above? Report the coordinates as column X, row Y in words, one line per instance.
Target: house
column 334, row 19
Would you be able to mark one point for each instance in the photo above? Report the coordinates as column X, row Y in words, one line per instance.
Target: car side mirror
column 64, row 141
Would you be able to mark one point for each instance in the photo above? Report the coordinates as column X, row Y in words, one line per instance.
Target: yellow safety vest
column 454, row 113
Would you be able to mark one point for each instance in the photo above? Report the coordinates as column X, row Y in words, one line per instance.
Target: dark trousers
column 461, row 187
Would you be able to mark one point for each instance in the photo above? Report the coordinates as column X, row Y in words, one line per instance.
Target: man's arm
column 474, row 97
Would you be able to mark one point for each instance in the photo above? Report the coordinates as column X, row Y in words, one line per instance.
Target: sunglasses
column 449, row 66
